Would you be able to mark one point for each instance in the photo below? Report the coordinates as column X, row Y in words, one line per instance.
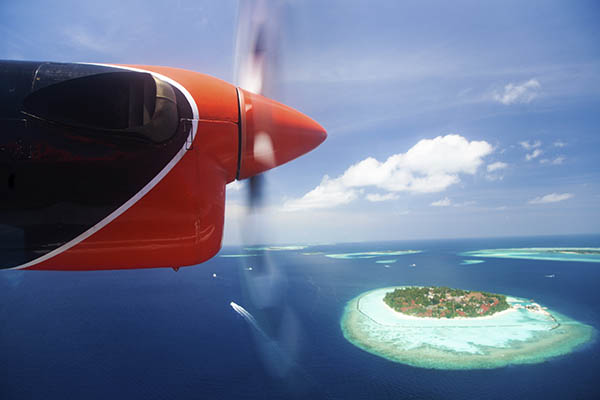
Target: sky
column 444, row 119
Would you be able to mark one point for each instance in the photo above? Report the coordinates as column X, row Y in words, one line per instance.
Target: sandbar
column 580, row 254
column 386, row 261
column 471, row 262
column 372, row 254
column 276, row 248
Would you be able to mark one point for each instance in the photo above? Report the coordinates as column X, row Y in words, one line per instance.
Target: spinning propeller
column 256, row 71
column 272, row 134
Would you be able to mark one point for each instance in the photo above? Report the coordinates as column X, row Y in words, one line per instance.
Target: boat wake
column 249, row 318
column 277, row 355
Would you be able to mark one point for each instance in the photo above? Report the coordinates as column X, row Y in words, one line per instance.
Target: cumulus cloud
column 330, row 193
column 494, row 177
column 535, row 146
column 529, row 146
column 518, row 93
column 376, row 197
column 496, row 166
column 465, row 203
column 494, row 171
column 535, row 154
column 559, row 143
column 445, row 202
column 557, row 161
column 551, row 198
column 431, row 165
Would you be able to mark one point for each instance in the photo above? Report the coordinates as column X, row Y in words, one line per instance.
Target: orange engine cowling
column 174, row 218
column 273, row 134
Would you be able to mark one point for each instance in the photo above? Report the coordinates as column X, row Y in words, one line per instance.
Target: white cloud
column 536, row 153
column 532, row 146
column 330, row 193
column 376, row 197
column 551, row 198
column 493, row 178
column 496, row 166
column 445, row 202
column 430, row 166
column 235, row 186
column 465, row 203
column 559, row 143
column 528, row 146
column 523, row 93
column 557, row 161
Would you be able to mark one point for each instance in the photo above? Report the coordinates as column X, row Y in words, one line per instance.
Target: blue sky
column 445, row 119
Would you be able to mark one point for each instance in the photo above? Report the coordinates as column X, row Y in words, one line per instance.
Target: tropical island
column 577, row 251
column 578, row 254
column 524, row 333
column 443, row 302
column 373, row 254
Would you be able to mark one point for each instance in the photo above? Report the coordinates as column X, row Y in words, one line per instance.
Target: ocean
column 160, row 334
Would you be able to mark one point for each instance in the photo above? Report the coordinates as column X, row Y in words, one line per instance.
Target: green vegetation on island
column 443, row 302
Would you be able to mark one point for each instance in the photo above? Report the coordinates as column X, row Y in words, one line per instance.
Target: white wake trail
column 277, row 361
column 248, row 317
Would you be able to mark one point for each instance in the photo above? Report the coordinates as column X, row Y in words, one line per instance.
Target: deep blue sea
column 160, row 334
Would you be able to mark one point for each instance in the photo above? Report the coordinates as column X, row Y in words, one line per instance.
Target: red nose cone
column 273, row 134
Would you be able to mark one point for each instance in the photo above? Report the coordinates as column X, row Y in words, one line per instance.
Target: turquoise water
column 371, row 254
column 386, row 261
column 514, row 336
column 471, row 262
column 276, row 248
column 541, row 253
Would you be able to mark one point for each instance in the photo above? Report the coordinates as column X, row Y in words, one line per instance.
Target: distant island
column 444, row 302
column 577, row 251
column 579, row 254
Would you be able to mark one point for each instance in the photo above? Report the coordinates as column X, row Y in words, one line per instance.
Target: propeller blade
column 257, row 46
column 255, row 191
column 265, row 144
